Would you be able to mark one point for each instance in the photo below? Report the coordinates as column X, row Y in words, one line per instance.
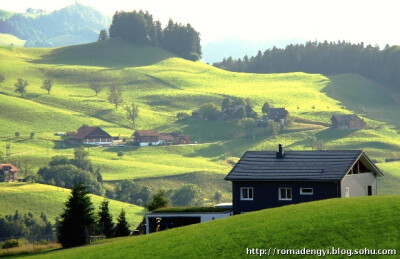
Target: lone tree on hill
column 105, row 223
column 47, row 85
column 122, row 228
column 115, row 96
column 159, row 201
column 103, row 35
column 77, row 219
column 132, row 113
column 20, row 86
column 96, row 87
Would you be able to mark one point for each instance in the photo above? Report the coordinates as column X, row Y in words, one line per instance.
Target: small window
column 246, row 193
column 347, row 192
column 306, row 191
column 285, row 194
column 369, row 190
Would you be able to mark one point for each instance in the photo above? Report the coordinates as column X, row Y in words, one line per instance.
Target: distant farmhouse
column 267, row 179
column 153, row 138
column 277, row 114
column 231, row 112
column 8, row 173
column 91, row 136
column 349, row 121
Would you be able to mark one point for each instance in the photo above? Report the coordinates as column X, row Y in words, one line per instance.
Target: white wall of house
column 97, row 141
column 204, row 217
column 355, row 185
column 144, row 144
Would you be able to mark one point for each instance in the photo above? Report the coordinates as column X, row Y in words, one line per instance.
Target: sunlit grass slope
column 162, row 85
column 355, row 223
column 8, row 39
column 38, row 198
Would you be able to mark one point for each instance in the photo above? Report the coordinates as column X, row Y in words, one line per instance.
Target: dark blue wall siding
column 266, row 194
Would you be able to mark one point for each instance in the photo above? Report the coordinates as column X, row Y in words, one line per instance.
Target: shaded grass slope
column 108, row 53
column 354, row 223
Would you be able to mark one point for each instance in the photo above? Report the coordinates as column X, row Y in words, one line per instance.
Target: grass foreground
column 354, row 223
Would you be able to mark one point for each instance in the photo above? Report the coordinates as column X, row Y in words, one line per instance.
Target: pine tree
column 105, row 223
column 122, row 228
column 77, row 220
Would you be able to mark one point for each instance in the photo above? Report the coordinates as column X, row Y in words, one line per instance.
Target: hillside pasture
column 37, row 198
column 163, row 85
column 335, row 221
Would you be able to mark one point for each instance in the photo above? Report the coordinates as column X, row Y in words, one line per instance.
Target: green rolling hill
column 355, row 223
column 37, row 198
column 162, row 85
column 8, row 39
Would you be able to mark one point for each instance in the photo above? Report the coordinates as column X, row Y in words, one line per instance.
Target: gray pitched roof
column 345, row 117
column 330, row 165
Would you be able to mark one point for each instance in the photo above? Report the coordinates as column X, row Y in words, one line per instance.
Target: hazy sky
column 375, row 22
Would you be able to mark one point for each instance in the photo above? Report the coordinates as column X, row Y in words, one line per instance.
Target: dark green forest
column 141, row 28
column 324, row 58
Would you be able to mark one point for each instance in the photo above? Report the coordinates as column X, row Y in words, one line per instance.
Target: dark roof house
column 147, row 137
column 8, row 173
column 231, row 111
column 266, row 179
column 91, row 135
column 348, row 121
column 277, row 114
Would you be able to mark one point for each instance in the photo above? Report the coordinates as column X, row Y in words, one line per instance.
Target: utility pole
column 8, row 148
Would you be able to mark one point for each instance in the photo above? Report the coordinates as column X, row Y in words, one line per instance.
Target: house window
column 306, row 191
column 285, row 194
column 369, row 190
column 246, row 193
column 347, row 192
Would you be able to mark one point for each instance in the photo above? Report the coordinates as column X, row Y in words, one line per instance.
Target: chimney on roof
column 280, row 152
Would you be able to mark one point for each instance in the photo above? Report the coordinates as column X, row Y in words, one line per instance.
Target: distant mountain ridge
column 75, row 24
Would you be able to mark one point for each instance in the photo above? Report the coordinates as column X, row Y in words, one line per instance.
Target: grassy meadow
column 8, row 39
column 162, row 85
column 37, row 198
column 314, row 225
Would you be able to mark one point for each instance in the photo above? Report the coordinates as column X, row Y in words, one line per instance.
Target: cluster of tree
column 21, row 84
column 128, row 191
column 65, row 172
column 325, row 58
column 186, row 196
column 27, row 226
column 141, row 28
column 79, row 220
column 211, row 111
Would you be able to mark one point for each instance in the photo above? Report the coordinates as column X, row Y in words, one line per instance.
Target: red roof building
column 92, row 136
column 8, row 173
